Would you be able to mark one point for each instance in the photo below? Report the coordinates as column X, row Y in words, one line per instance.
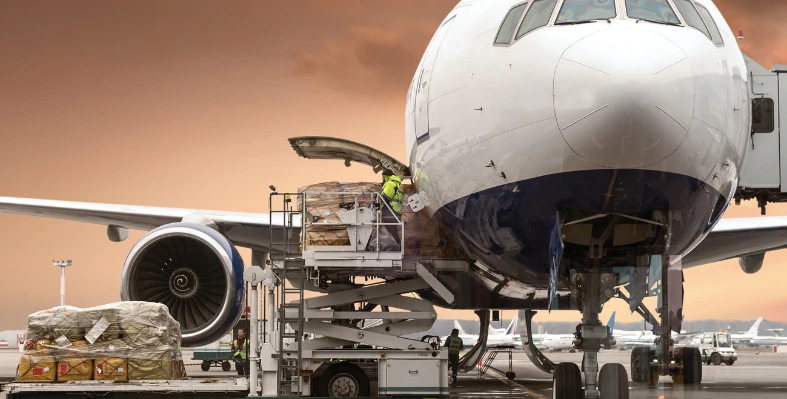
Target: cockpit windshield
column 723, row 341
column 578, row 11
column 658, row 11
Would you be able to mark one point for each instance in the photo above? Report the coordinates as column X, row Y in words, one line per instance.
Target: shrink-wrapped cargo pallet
column 423, row 235
column 119, row 341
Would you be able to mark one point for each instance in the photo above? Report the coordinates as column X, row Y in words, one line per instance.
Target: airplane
column 575, row 147
column 642, row 338
column 561, row 342
column 746, row 338
column 496, row 336
column 507, row 337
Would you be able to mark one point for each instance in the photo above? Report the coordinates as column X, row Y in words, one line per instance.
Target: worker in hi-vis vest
column 393, row 196
column 454, row 345
column 240, row 347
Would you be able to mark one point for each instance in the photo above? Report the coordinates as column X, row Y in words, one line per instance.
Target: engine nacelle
column 751, row 264
column 195, row 271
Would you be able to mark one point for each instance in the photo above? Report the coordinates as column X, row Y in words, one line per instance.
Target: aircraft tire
column 715, row 359
column 613, row 382
column 692, row 366
column 567, row 382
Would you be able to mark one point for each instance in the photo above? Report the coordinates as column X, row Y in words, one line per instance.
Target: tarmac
column 762, row 375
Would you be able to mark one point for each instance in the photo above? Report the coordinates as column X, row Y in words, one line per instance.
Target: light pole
column 62, row 264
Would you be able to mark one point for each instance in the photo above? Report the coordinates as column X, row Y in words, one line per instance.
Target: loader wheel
column 344, row 380
column 205, row 366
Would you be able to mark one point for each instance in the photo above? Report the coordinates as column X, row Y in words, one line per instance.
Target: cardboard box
column 37, row 368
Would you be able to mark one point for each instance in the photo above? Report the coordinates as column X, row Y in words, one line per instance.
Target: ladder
column 491, row 354
column 285, row 241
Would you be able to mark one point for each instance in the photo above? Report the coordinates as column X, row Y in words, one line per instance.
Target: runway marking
column 513, row 384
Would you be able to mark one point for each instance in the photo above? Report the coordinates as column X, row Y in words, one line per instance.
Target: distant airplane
column 630, row 339
column 496, row 336
column 745, row 338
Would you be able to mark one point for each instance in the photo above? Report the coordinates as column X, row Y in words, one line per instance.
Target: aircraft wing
column 249, row 230
column 739, row 237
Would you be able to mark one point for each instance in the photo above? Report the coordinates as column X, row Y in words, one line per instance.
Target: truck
column 715, row 348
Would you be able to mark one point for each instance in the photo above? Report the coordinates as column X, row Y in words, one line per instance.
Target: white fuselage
column 611, row 116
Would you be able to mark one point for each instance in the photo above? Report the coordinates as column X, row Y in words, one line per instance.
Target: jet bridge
column 764, row 172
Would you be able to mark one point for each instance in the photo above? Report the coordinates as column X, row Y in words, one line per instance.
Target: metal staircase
column 285, row 243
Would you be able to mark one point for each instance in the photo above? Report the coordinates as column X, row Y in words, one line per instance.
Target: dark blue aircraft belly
column 508, row 227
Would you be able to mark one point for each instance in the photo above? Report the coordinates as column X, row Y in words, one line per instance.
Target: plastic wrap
column 424, row 234
column 112, row 341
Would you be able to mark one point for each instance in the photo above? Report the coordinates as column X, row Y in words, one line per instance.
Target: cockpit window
column 691, row 16
column 509, row 24
column 577, row 11
column 714, row 29
column 537, row 16
column 658, row 11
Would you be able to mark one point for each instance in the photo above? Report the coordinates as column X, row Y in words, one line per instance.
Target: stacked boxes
column 119, row 341
column 424, row 234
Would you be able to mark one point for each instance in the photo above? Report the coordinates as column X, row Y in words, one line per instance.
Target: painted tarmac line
column 527, row 391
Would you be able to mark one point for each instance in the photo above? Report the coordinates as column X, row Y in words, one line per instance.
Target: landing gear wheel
column 613, row 382
column 567, row 382
column 205, row 366
column 640, row 365
column 226, row 366
column 715, row 359
column 344, row 380
column 729, row 362
column 692, row 366
column 510, row 375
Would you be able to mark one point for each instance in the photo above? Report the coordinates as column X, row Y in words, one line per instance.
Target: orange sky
column 189, row 103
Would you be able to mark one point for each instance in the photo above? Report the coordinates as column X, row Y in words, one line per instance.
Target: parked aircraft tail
column 512, row 327
column 611, row 322
column 459, row 327
column 755, row 328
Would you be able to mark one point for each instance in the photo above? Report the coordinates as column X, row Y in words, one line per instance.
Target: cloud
column 365, row 61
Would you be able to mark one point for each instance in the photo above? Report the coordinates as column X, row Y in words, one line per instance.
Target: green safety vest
column 243, row 351
column 454, row 345
column 392, row 191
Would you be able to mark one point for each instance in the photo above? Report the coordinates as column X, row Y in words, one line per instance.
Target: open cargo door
column 311, row 147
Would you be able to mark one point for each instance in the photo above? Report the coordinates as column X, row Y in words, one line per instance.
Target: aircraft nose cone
column 624, row 98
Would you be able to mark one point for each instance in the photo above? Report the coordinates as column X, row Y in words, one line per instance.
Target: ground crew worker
column 454, row 345
column 393, row 196
column 241, row 356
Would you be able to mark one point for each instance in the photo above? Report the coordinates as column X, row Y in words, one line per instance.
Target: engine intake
column 195, row 271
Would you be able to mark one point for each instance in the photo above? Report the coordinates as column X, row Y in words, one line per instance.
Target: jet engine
column 195, row 271
column 751, row 264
